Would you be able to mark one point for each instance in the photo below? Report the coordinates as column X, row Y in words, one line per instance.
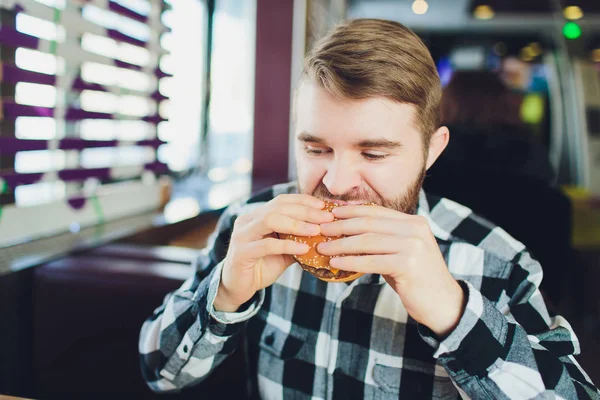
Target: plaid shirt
column 306, row 338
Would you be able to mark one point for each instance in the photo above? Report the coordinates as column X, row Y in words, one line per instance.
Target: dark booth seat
column 89, row 309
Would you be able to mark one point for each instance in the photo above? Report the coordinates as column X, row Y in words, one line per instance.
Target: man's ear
column 439, row 141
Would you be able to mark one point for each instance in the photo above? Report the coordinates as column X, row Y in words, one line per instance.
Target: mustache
column 322, row 192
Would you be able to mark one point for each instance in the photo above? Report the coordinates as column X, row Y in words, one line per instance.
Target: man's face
column 358, row 151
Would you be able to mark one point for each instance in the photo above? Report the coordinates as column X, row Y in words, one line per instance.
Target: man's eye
column 315, row 152
column 370, row 156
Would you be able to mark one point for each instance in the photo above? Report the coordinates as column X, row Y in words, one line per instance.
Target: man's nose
column 341, row 177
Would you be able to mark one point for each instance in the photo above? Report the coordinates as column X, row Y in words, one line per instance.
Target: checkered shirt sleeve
column 186, row 338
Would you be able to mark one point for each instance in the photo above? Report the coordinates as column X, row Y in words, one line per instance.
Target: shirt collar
column 424, row 211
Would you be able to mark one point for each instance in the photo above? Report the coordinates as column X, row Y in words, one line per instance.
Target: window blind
column 83, row 94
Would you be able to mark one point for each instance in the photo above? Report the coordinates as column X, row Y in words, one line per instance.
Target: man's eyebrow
column 378, row 143
column 367, row 143
column 308, row 138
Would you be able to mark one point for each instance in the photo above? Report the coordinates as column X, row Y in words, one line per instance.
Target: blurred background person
column 494, row 165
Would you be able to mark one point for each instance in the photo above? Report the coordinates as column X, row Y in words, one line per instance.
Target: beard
column 406, row 202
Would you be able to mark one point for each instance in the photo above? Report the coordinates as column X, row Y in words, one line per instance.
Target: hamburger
column 316, row 263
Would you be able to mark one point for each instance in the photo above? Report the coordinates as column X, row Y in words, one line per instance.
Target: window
column 92, row 95
column 186, row 61
column 231, row 114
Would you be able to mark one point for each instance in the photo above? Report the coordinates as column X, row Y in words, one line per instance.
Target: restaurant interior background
column 126, row 126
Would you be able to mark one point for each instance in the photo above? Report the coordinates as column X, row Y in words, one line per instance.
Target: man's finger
column 360, row 225
column 303, row 213
column 288, row 218
column 367, row 243
column 373, row 264
column 277, row 223
column 375, row 211
column 272, row 246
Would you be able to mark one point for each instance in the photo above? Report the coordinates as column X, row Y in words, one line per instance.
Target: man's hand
column 403, row 250
column 256, row 258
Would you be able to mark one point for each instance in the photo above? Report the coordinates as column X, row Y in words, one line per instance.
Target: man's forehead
column 321, row 114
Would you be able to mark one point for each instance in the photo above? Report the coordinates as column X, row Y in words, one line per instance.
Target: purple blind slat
column 156, row 167
column 76, row 114
column 80, row 144
column 78, row 175
column 77, row 202
column 13, row 74
column 155, row 143
column 113, row 34
column 12, row 37
column 127, row 65
column 119, row 9
column 153, row 119
column 159, row 73
column 157, row 96
column 14, row 179
column 80, row 84
column 10, row 145
column 13, row 110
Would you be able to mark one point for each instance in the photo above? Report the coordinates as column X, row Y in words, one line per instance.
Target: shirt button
column 185, row 348
column 269, row 340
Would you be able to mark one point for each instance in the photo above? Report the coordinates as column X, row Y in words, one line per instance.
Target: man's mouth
column 346, row 203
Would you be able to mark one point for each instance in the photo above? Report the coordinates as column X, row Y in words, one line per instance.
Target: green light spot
column 98, row 209
column 571, row 30
column 532, row 108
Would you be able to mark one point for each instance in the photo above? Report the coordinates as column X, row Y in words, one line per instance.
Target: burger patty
column 325, row 273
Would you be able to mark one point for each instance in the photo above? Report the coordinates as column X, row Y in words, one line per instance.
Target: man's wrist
column 451, row 312
column 222, row 302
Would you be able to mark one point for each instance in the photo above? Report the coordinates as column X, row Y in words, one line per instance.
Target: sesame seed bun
column 316, row 263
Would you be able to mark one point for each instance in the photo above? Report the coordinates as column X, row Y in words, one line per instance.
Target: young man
column 449, row 305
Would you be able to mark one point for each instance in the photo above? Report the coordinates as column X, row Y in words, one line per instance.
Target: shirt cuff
column 227, row 323
column 478, row 339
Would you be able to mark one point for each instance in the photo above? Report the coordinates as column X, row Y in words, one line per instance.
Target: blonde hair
column 366, row 58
